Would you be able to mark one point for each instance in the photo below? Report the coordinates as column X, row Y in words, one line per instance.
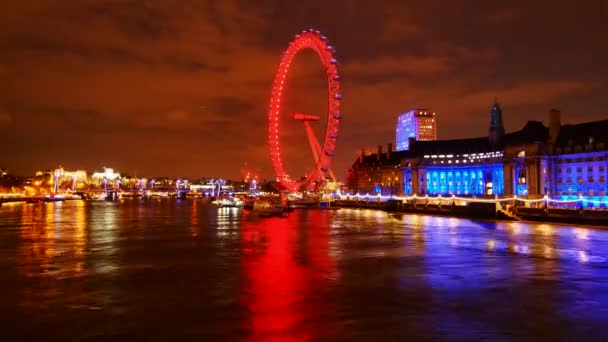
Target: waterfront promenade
column 515, row 209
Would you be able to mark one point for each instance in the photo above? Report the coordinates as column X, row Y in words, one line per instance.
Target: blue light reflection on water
column 483, row 273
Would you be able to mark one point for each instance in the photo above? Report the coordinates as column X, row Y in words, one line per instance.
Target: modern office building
column 415, row 123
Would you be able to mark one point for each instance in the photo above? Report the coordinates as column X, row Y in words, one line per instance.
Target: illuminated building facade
column 561, row 162
column 108, row 175
column 378, row 173
column 419, row 124
column 131, row 182
column 72, row 179
column 578, row 162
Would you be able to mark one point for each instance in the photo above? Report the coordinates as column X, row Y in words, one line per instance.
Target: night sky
column 181, row 88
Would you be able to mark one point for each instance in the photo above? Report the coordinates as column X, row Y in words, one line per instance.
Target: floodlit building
column 108, row 174
column 73, row 179
column 578, row 159
column 419, row 124
column 560, row 161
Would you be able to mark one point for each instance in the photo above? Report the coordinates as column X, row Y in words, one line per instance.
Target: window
column 568, row 170
column 569, row 180
column 559, row 170
column 590, row 180
column 601, row 168
column 579, row 179
column 589, row 169
column 602, row 179
column 579, row 169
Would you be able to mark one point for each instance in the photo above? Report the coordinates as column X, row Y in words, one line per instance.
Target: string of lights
column 440, row 198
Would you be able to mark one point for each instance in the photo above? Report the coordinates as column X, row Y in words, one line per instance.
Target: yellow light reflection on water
column 453, row 222
column 37, row 249
column 79, row 235
column 581, row 233
column 546, row 229
column 194, row 218
column 227, row 221
column 515, row 228
column 491, row 245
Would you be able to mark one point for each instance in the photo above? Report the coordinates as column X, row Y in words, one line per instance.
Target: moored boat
column 228, row 202
column 269, row 207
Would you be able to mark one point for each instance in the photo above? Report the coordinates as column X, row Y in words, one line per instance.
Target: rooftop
column 582, row 134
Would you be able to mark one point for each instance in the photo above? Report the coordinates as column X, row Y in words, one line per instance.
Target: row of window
column 579, row 180
column 579, row 169
column 579, row 192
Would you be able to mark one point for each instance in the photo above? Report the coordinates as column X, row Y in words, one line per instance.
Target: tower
column 419, row 124
column 554, row 127
column 497, row 130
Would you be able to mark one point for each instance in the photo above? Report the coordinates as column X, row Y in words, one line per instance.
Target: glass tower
column 415, row 123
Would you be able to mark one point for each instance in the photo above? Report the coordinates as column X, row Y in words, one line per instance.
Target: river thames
column 162, row 269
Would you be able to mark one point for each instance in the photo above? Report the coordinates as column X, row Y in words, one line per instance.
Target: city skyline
column 182, row 89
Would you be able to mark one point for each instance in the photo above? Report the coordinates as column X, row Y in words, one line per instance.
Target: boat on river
column 228, row 202
column 269, row 207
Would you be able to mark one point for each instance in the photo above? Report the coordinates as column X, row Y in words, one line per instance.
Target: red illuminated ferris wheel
column 323, row 154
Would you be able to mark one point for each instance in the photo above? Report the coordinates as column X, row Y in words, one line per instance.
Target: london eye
column 324, row 152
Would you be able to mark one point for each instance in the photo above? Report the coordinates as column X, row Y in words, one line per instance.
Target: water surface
column 165, row 269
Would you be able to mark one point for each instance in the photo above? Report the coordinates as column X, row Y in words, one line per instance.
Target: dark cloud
column 182, row 87
column 115, row 55
column 135, row 19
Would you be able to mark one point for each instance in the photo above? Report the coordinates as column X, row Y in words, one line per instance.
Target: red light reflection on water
column 285, row 265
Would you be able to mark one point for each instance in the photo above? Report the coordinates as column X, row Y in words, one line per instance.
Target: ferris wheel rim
column 314, row 40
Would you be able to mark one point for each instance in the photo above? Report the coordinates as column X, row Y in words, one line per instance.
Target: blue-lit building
column 559, row 161
column 419, row 124
column 474, row 166
column 579, row 161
